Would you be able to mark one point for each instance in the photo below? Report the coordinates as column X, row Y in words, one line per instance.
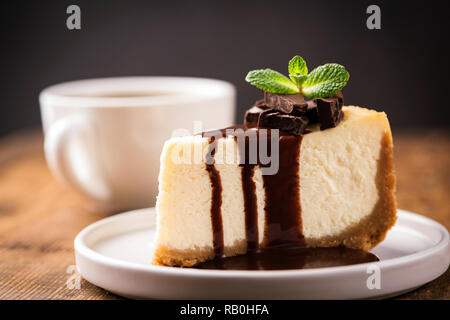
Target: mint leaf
column 298, row 70
column 271, row 81
column 325, row 81
column 297, row 66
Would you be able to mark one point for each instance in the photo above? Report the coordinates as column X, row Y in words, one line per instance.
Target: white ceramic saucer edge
column 147, row 281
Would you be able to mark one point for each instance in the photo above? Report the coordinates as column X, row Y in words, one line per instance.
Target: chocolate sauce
column 250, row 201
column 283, row 219
column 216, row 199
column 287, row 258
column 282, row 197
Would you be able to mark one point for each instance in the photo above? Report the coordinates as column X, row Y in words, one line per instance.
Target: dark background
column 402, row 69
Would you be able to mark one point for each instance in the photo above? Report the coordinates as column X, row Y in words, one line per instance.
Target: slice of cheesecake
column 333, row 187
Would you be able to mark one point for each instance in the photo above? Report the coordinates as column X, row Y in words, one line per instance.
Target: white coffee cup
column 103, row 137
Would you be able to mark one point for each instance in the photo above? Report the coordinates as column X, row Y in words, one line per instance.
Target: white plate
column 114, row 253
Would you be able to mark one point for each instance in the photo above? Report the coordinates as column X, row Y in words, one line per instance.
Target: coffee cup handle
column 79, row 130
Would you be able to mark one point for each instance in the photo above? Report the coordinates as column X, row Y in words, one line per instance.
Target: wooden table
column 39, row 218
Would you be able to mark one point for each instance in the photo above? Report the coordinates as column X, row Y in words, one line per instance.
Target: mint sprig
column 324, row 81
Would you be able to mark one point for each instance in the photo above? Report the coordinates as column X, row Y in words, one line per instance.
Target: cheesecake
column 299, row 172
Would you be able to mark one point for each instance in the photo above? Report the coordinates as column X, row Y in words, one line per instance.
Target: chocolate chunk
column 285, row 102
column 340, row 98
column 292, row 113
column 329, row 111
column 310, row 111
column 292, row 124
column 252, row 114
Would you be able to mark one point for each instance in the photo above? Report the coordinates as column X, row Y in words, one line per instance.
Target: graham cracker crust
column 165, row 256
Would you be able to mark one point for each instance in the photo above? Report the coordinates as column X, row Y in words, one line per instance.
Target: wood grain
column 39, row 217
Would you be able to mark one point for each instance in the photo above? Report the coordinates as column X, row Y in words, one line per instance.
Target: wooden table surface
column 39, row 218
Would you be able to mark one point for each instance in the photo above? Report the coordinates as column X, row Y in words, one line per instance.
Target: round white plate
column 115, row 254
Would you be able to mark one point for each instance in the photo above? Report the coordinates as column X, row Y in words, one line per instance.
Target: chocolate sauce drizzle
column 250, row 201
column 283, row 210
column 283, row 219
column 216, row 199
